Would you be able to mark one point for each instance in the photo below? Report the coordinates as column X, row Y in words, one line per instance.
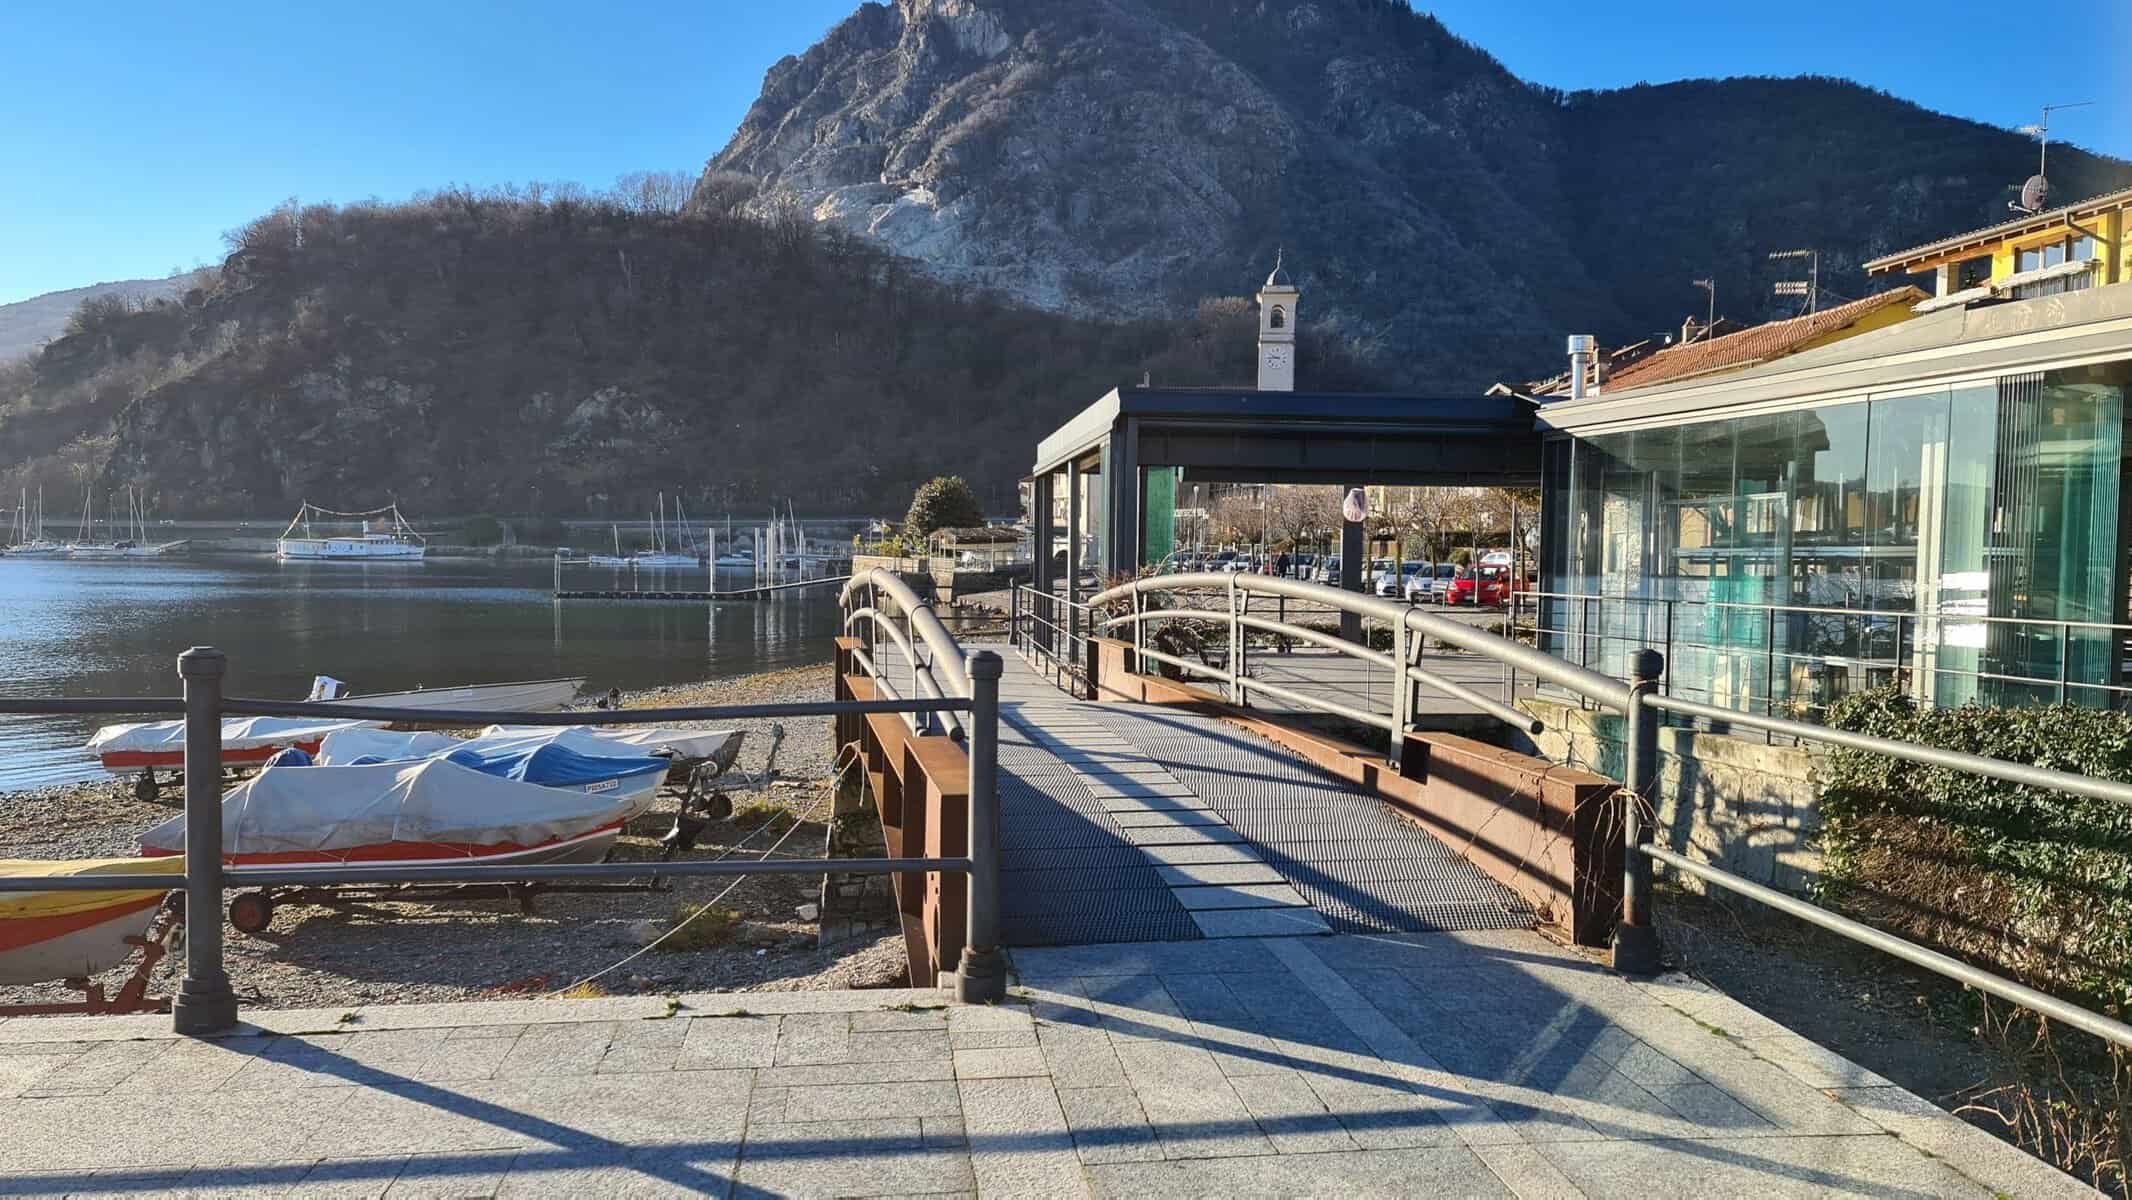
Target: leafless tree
column 654, row 191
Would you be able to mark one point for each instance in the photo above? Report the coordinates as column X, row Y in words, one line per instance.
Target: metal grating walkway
column 1130, row 823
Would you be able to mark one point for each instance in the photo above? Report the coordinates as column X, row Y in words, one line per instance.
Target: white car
column 1392, row 585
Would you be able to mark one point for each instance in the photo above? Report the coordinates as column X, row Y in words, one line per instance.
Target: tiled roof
column 1759, row 344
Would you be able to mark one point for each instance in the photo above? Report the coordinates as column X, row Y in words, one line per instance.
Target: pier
column 760, row 592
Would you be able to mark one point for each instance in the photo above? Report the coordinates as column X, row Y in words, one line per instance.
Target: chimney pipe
column 1580, row 361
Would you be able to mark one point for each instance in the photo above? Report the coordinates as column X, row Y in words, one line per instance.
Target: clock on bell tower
column 1276, row 331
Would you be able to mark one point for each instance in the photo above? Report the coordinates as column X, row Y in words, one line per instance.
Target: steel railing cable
column 845, row 760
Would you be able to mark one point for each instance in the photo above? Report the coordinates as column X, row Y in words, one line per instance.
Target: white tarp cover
column 340, row 749
column 284, row 809
column 244, row 733
column 618, row 739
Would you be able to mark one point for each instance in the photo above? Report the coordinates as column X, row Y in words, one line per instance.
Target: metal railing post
column 1402, row 692
column 1236, row 648
column 204, row 1002
column 1635, row 937
column 982, row 978
column 2065, row 657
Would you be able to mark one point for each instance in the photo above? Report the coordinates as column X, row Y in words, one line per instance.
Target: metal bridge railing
column 1796, row 658
column 1051, row 632
column 205, row 1002
column 1641, row 704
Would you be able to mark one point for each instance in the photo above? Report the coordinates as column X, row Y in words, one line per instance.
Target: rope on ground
column 846, row 758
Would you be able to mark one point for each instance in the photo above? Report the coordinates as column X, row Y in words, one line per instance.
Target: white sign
column 1355, row 506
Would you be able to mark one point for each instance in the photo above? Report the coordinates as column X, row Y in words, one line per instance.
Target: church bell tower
column 1276, row 331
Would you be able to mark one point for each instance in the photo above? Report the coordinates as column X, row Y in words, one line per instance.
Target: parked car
column 1395, row 586
column 1419, row 583
column 1326, row 570
column 1377, row 569
column 1300, row 565
column 1433, row 585
column 1480, row 587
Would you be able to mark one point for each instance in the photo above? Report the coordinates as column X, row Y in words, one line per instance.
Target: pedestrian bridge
column 1133, row 822
column 1240, row 959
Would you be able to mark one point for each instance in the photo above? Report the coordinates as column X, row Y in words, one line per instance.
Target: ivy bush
column 2034, row 882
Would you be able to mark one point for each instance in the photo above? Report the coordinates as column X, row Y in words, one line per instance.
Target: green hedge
column 2034, row 882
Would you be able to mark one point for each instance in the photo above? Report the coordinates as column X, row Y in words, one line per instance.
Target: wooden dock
column 765, row 592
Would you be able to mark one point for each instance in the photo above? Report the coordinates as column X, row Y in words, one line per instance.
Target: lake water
column 116, row 628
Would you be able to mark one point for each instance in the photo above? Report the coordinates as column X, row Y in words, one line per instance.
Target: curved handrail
column 1515, row 718
column 1610, row 692
column 948, row 657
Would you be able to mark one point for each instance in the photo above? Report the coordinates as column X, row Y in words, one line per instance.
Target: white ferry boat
column 385, row 536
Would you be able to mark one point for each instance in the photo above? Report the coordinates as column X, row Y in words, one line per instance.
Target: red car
column 1487, row 585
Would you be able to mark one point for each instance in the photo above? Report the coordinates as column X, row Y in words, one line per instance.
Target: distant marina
column 113, row 627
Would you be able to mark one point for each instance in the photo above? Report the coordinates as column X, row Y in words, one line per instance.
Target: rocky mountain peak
column 1130, row 157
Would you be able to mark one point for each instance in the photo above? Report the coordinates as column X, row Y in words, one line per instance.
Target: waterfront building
column 1939, row 503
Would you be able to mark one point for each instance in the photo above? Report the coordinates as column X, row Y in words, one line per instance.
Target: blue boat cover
column 288, row 756
column 552, row 765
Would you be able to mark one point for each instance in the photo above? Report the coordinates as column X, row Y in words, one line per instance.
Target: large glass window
column 1956, row 540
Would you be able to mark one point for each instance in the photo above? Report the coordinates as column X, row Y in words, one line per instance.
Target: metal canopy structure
column 1243, row 435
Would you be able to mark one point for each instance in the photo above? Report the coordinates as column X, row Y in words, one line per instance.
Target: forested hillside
column 515, row 350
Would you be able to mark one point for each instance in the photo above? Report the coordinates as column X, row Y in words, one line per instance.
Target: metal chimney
column 1580, row 363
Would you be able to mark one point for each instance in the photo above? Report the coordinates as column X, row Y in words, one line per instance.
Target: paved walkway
column 1477, row 1064
column 1133, row 823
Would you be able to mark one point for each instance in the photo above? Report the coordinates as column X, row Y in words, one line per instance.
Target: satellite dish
column 2035, row 194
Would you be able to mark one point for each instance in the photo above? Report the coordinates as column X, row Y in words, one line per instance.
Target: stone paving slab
column 1479, row 1064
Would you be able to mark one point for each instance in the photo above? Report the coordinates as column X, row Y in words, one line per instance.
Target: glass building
column 1938, row 505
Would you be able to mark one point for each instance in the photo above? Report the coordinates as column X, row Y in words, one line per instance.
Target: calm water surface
column 116, row 628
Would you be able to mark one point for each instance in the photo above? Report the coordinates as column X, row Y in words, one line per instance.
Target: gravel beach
column 463, row 949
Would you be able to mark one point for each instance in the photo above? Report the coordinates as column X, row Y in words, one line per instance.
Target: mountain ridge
column 1109, row 157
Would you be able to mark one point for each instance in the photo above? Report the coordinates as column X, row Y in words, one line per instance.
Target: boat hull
column 57, row 935
column 172, row 760
column 346, row 550
column 588, row 847
column 74, row 947
column 531, row 695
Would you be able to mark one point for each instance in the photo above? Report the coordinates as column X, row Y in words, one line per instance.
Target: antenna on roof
column 1810, row 287
column 1710, row 286
column 2036, row 193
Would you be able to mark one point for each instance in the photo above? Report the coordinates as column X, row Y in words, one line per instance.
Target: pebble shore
column 464, row 949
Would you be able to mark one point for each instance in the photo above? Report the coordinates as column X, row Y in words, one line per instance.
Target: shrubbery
column 482, row 530
column 2037, row 884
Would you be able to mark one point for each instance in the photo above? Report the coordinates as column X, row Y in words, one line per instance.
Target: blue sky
column 134, row 132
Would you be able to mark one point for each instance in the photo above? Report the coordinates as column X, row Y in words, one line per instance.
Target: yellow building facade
column 2062, row 250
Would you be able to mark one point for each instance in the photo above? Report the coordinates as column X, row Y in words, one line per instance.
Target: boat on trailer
column 570, row 758
column 149, row 747
column 73, row 936
column 426, row 812
column 160, row 745
column 384, row 536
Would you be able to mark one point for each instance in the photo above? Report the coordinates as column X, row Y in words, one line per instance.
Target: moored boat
column 384, row 536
